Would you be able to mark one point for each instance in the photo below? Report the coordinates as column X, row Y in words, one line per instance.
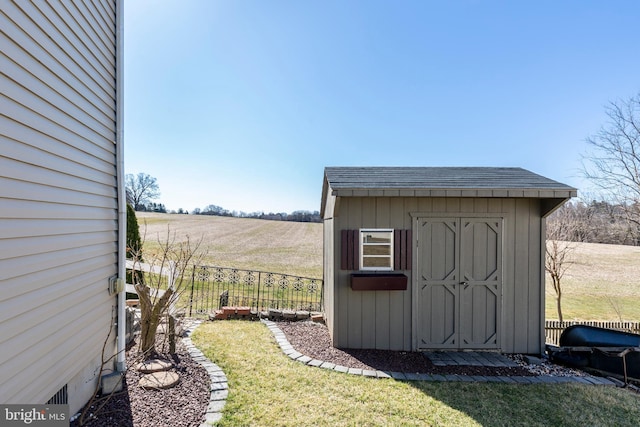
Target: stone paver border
column 293, row 354
column 219, row 386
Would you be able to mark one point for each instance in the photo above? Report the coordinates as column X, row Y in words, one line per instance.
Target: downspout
column 121, row 364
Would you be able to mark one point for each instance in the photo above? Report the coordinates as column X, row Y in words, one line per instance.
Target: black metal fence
column 215, row 287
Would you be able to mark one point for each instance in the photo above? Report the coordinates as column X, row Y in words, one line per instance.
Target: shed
column 422, row 258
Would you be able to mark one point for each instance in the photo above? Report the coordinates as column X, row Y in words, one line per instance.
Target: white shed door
column 459, row 283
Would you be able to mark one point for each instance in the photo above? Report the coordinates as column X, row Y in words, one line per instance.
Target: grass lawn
column 266, row 388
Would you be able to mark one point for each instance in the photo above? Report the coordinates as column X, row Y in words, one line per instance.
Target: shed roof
column 341, row 178
column 441, row 182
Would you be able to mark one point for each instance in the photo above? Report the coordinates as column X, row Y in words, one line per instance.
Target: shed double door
column 459, row 283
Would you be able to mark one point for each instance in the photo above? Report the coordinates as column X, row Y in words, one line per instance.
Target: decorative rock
column 154, row 365
column 301, row 315
column 288, row 314
column 159, row 380
column 275, row 314
column 532, row 360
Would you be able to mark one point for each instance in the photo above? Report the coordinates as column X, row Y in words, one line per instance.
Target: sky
column 242, row 104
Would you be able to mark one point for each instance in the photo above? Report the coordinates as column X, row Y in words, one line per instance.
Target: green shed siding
column 383, row 319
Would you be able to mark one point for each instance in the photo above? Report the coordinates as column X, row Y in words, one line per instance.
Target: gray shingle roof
column 434, row 178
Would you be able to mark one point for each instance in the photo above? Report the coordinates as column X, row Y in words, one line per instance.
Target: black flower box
column 378, row 282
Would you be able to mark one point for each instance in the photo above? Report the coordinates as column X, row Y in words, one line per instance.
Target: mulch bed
column 312, row 339
column 182, row 405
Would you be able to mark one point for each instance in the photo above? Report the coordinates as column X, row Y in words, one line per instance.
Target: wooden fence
column 553, row 328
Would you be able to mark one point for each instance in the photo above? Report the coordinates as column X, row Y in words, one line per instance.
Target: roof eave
column 542, row 193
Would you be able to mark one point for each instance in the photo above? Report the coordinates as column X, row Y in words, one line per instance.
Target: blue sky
column 242, row 104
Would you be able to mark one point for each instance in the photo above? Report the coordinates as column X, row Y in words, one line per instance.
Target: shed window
column 376, row 249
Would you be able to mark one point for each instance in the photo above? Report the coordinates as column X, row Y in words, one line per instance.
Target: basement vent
column 60, row 398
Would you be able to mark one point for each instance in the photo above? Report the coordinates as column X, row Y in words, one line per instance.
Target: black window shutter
column 349, row 250
column 402, row 249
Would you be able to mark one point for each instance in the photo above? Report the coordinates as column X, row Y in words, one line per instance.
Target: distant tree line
column 152, row 207
column 214, row 210
column 142, row 189
column 297, row 216
column 594, row 222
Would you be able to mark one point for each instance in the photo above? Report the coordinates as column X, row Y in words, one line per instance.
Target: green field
column 603, row 283
column 281, row 247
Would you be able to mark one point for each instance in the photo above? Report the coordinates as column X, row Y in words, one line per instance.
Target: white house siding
column 58, row 196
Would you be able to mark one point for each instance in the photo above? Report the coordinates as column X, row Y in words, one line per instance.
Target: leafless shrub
column 559, row 248
column 168, row 270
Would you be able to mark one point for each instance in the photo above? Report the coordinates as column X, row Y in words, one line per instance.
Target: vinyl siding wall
column 58, row 196
column 383, row 319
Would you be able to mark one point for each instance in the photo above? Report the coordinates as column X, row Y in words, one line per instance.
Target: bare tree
column 613, row 164
column 560, row 226
column 141, row 189
column 167, row 278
